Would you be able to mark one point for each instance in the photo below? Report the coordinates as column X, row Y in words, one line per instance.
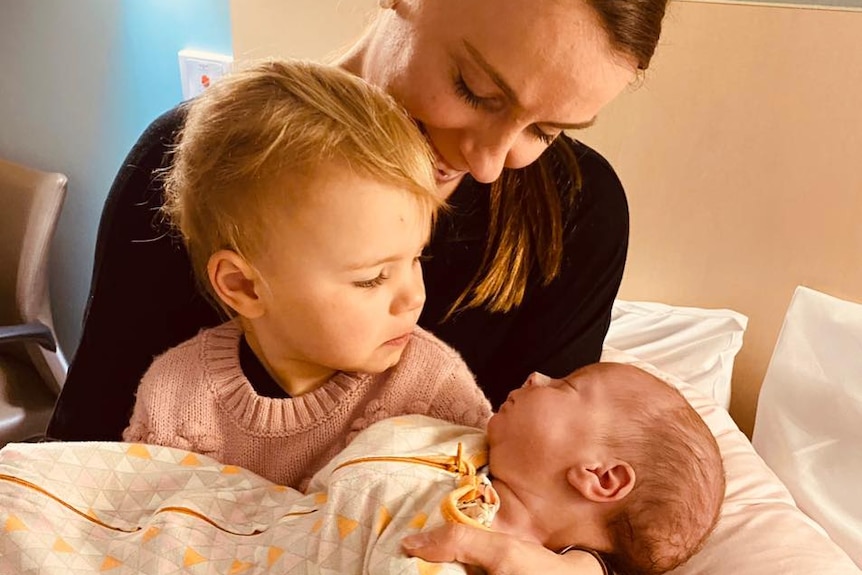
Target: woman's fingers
column 456, row 542
column 496, row 553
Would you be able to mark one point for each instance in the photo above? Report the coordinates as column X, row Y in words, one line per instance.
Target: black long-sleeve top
column 559, row 327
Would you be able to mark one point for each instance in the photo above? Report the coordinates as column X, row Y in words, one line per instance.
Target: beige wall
column 314, row 29
column 741, row 153
column 742, row 156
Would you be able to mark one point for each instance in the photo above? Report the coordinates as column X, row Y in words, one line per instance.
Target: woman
column 524, row 268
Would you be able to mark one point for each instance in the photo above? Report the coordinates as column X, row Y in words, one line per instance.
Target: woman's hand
column 496, row 553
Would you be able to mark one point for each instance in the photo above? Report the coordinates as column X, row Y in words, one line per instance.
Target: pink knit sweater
column 195, row 397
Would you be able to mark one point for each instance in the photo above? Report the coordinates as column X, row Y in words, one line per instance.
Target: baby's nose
column 536, row 378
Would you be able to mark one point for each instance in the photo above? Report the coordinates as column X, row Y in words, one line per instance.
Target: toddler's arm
column 160, row 410
column 460, row 400
column 139, row 429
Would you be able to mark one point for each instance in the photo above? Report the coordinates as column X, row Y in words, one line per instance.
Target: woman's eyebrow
column 510, row 93
column 575, row 126
column 493, row 73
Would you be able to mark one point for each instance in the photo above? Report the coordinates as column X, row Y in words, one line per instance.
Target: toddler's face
column 344, row 278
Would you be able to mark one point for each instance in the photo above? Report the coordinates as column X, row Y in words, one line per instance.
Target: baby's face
column 342, row 269
column 547, row 424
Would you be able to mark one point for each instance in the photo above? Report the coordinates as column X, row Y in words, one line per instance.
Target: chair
column 32, row 366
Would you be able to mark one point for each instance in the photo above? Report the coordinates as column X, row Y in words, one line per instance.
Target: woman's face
column 492, row 82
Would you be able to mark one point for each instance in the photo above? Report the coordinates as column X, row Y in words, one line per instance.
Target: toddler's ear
column 603, row 482
column 235, row 282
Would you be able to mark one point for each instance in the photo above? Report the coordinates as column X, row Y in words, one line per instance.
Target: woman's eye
column 543, row 136
column 372, row 283
column 466, row 94
column 475, row 101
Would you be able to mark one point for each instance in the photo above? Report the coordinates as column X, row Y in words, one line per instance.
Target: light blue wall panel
column 80, row 80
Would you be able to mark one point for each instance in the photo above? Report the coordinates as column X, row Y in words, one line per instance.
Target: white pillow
column 809, row 415
column 696, row 345
column 761, row 531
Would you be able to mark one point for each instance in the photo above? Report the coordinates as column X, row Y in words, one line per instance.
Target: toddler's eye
column 372, row 283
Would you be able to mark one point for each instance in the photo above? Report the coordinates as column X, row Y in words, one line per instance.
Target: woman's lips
column 444, row 176
column 444, row 172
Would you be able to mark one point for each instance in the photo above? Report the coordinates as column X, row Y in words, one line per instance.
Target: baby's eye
column 372, row 283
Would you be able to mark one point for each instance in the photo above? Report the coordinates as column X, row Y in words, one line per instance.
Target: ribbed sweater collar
column 267, row 416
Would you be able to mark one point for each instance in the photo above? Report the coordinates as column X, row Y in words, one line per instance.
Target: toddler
column 305, row 197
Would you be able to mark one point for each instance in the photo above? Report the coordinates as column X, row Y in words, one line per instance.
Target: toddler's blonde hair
column 247, row 135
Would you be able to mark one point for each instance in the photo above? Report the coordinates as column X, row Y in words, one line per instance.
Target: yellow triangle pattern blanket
column 122, row 508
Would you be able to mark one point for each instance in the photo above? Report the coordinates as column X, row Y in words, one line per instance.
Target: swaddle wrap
column 130, row 508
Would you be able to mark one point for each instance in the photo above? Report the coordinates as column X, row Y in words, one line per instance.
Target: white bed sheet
column 809, row 414
column 697, row 345
column 761, row 530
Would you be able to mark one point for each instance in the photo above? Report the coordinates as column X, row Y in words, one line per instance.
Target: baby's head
column 305, row 196
column 622, row 462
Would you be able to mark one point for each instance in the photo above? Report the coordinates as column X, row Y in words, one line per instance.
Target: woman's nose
column 487, row 151
column 537, row 378
column 486, row 166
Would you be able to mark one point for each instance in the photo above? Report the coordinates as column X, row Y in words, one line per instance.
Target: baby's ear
column 602, row 482
column 235, row 283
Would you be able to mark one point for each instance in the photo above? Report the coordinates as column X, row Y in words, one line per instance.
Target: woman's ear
column 236, row 283
column 603, row 482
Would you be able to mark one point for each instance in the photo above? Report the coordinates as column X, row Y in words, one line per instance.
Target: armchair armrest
column 35, row 331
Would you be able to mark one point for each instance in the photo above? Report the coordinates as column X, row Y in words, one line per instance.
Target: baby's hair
column 251, row 140
column 679, row 479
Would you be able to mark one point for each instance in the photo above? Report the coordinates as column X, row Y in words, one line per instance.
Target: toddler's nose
column 536, row 378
